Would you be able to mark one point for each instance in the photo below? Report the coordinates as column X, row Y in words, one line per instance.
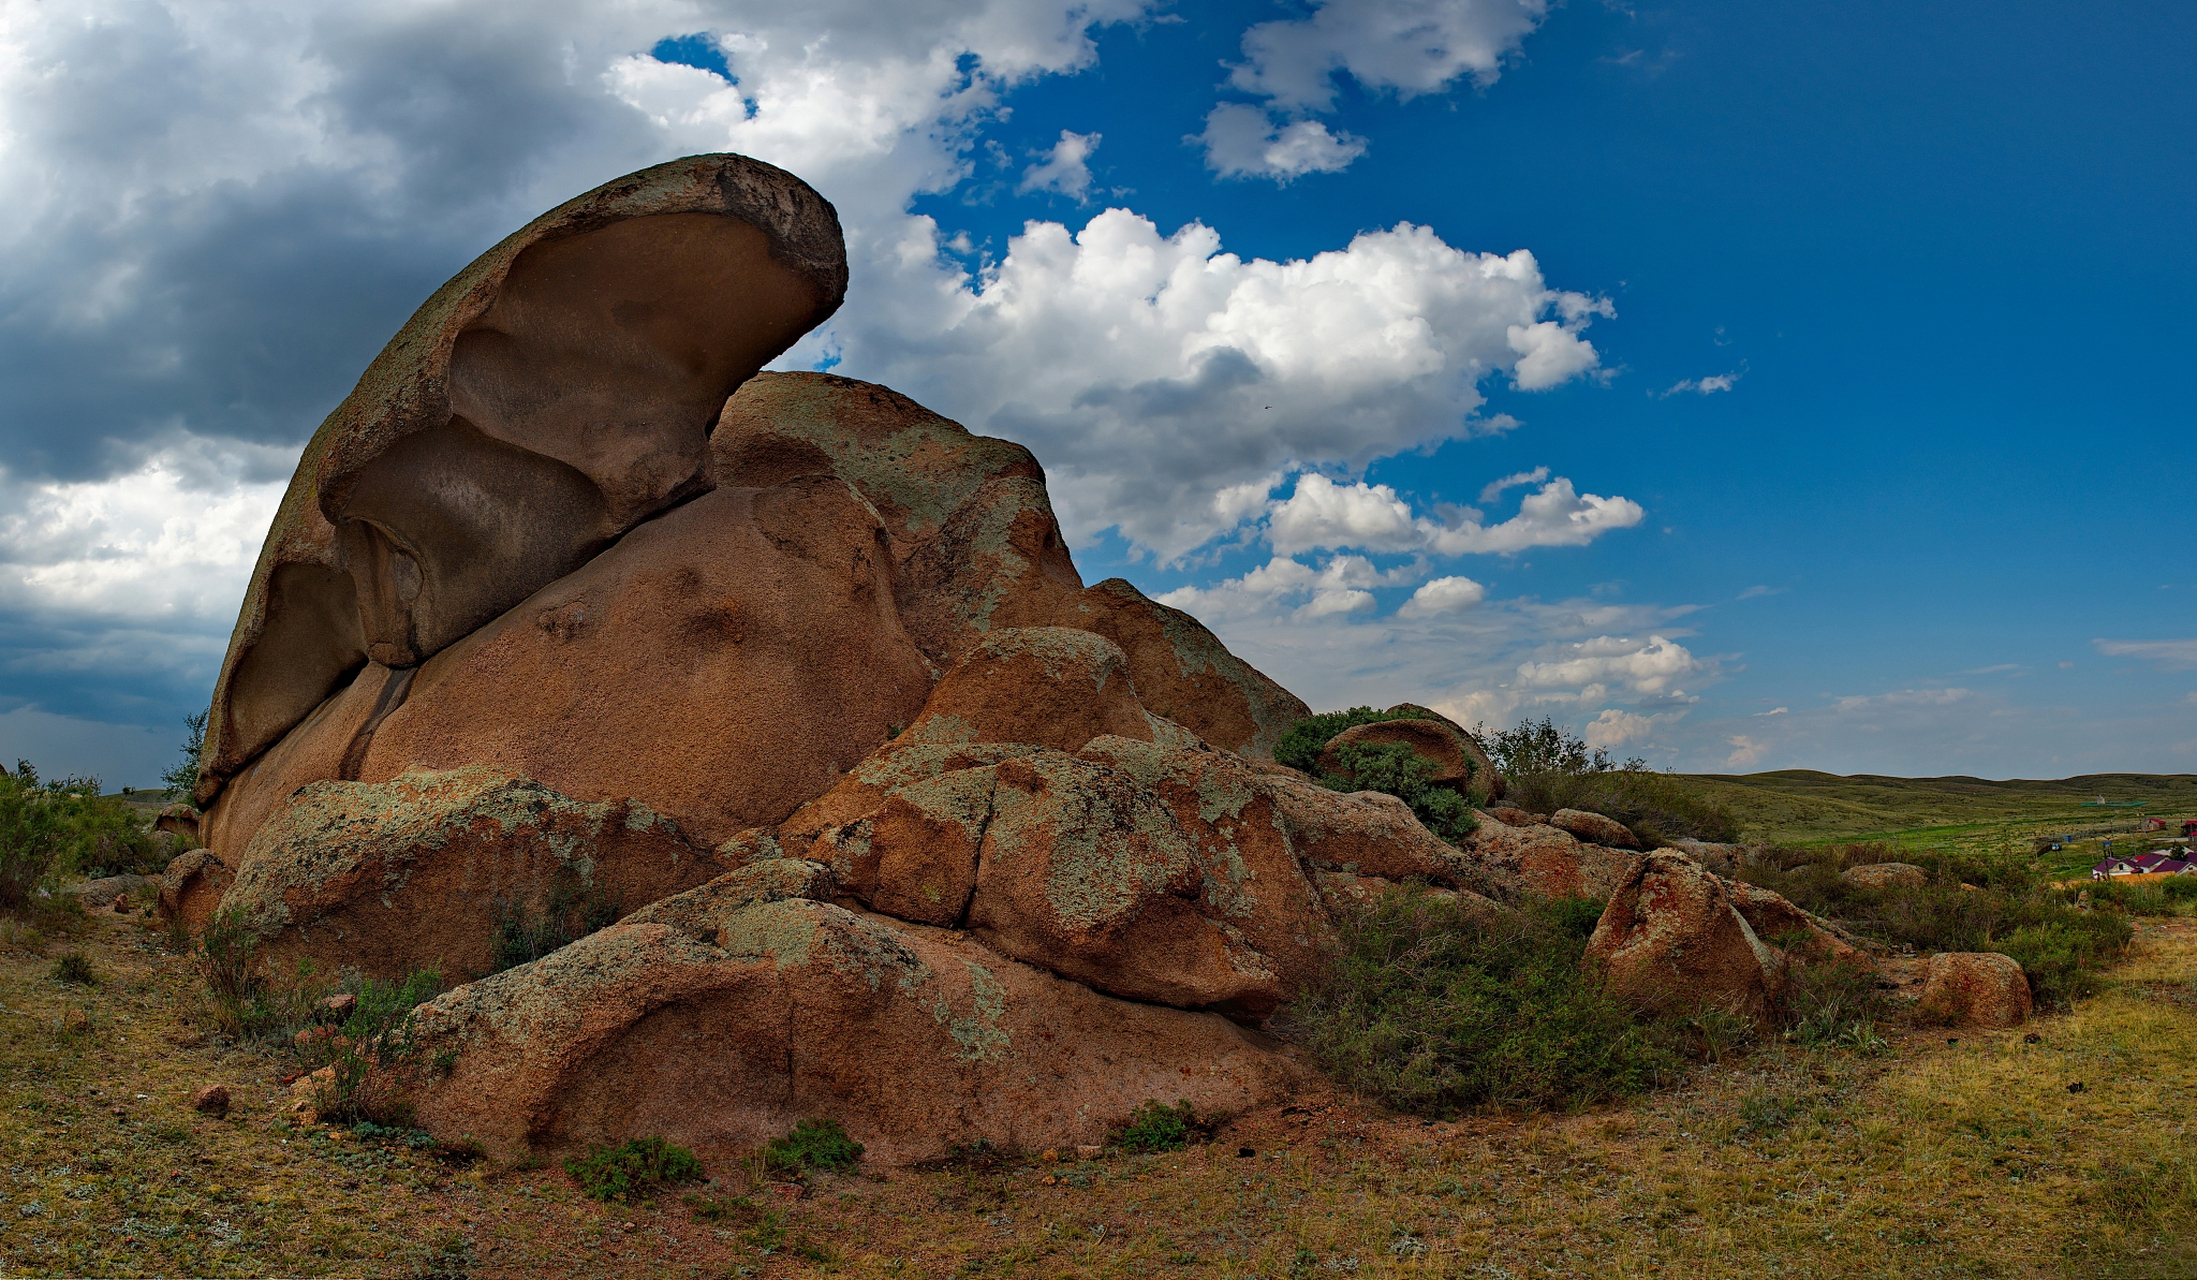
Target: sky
column 1748, row 386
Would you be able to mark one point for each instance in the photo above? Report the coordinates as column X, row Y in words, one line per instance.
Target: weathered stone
column 213, row 1099
column 1046, row 686
column 178, row 819
column 1886, row 875
column 1593, row 828
column 191, row 888
column 1974, row 989
column 1779, row 923
column 392, row 877
column 1723, row 859
column 1544, row 861
column 108, row 891
column 1670, row 940
column 1486, row 779
column 914, row 1039
column 1511, row 817
column 1430, row 740
column 552, row 395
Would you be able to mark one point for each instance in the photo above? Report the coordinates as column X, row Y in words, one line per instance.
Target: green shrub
column 1300, row 747
column 525, row 933
column 1395, row 769
column 1430, row 1010
column 2011, row 910
column 1155, row 1126
column 75, row 968
column 1547, row 767
column 1391, row 768
column 182, row 779
column 634, row 1169
column 376, row 1059
column 1831, row 1005
column 813, row 1144
column 1576, row 917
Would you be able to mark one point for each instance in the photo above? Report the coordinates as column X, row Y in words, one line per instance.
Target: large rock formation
column 570, row 614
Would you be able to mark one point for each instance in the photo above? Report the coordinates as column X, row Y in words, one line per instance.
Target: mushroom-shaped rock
column 1047, row 686
column 916, row 1039
column 551, row 396
column 724, row 662
column 392, row 877
column 1593, row 828
column 1886, row 875
column 1974, row 989
column 1671, row 940
column 1486, row 779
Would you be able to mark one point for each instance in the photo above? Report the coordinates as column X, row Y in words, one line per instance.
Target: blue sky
column 1839, row 380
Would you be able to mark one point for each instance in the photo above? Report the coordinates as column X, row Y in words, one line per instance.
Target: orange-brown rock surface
column 1974, row 989
column 1670, row 939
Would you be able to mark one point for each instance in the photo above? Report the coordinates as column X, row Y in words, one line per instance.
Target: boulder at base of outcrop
column 1671, row 941
column 721, row 1018
column 1511, row 817
column 1886, row 875
column 191, row 888
column 1506, row 861
column 1778, row 922
column 98, row 895
column 1593, row 828
column 1720, row 858
column 1974, row 989
column 425, row 869
column 178, row 819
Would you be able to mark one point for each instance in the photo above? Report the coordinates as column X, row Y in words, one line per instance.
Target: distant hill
column 1804, row 806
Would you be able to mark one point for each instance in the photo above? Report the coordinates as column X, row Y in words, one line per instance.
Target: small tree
column 183, row 778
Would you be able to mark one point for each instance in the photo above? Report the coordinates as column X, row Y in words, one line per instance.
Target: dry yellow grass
column 1958, row 1154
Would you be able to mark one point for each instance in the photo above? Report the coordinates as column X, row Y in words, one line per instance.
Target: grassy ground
column 1802, row 807
column 1948, row 1155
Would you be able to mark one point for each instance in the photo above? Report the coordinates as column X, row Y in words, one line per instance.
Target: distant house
column 2161, row 862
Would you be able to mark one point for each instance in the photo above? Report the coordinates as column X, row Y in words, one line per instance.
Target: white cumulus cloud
column 1708, row 386
column 1065, row 168
column 1407, row 47
column 1243, row 141
column 1645, row 667
column 1374, row 517
column 1442, row 596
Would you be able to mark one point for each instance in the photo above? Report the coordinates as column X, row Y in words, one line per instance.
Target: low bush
column 49, row 830
column 1832, row 1006
column 375, row 1060
column 1391, row 768
column 813, row 1144
column 525, row 931
column 75, row 968
column 1155, row 1126
column 1969, row 903
column 1431, row 1010
column 633, row 1170
column 1547, row 767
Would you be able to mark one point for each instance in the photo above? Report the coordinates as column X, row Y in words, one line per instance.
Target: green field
column 1803, row 807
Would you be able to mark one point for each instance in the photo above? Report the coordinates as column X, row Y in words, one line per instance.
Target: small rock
column 341, row 1004
column 1089, row 1151
column 1886, row 875
column 213, row 1099
column 1051, row 1154
column 2076, row 1087
column 1975, row 989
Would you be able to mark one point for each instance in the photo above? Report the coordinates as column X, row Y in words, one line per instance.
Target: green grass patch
column 1155, row 1126
column 633, row 1169
column 813, row 1144
column 1433, row 1011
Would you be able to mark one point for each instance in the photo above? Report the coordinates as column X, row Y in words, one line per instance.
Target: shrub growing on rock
column 633, row 1169
column 1433, row 1011
column 525, row 933
column 1391, row 768
column 813, row 1144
